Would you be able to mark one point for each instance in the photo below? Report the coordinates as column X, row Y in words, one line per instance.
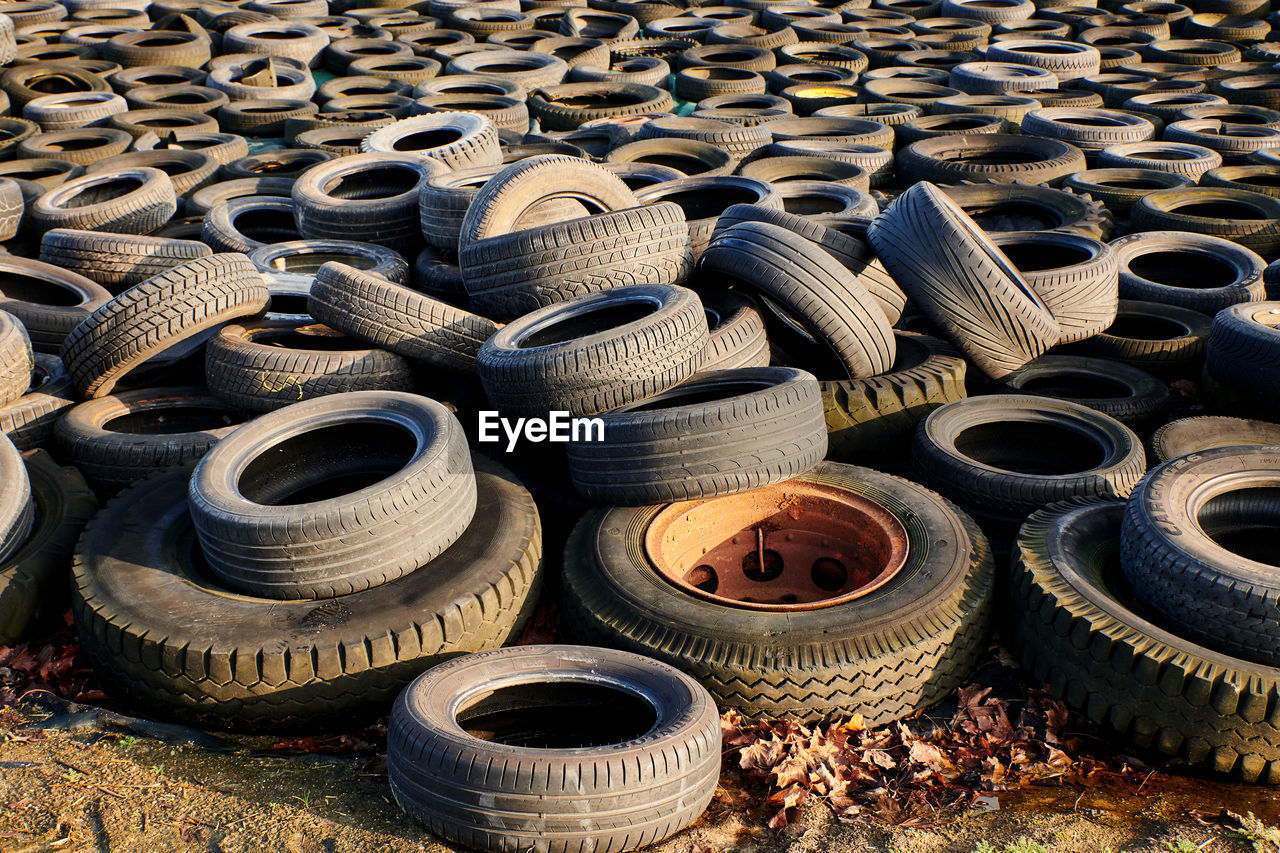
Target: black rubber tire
column 704, row 199
column 689, row 156
column 736, row 331
column 158, row 47
column 1223, row 597
column 1132, row 396
column 281, row 164
column 49, row 301
column 33, row 580
column 294, row 264
column 248, row 223
column 1258, row 178
column 195, row 99
column 869, row 419
column 397, row 318
column 952, row 159
column 1207, row 432
column 263, row 117
column 1179, row 158
column 821, row 294
column 172, row 310
column 1075, row 276
column 268, row 364
column 653, row 337
column 1165, row 340
column 745, row 429
column 16, row 359
column 701, row 82
column 29, row 420
column 187, row 170
column 950, row 124
column 497, row 796
column 151, row 429
column 904, row 646
column 852, row 253
column 781, row 170
column 957, row 276
column 1120, row 189
column 1235, row 142
column 737, row 140
column 1259, row 229
column 1089, row 130
column 511, row 274
column 470, row 140
column 364, row 197
column 298, row 663
column 1013, row 431
column 268, row 544
column 999, row 78
column 17, row 509
column 1074, row 627
column 440, row 277
column 567, row 106
column 140, row 201
column 84, row 146
column 1244, row 351
column 1187, row 270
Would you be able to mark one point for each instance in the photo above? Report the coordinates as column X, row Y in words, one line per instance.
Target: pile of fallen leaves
column 52, row 663
column 908, row 772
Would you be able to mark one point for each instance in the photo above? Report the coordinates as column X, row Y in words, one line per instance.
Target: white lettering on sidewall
column 557, row 427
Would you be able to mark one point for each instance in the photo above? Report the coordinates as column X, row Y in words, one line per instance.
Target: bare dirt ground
column 73, row 778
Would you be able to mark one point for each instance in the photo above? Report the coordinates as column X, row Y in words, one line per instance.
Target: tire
column 1094, row 455
column 949, row 124
column 133, row 201
column 781, row 170
column 651, row 338
column 158, row 47
column 117, row 440
column 294, row 264
column 1161, row 339
column 33, row 580
column 172, row 311
column 709, row 81
column 1073, row 629
column 870, row 418
column 1120, row 189
column 1256, row 227
column 17, row 509
column 472, row 140
column 195, row 99
column 370, row 197
column 499, row 205
column 827, row 201
column 84, row 146
column 1067, row 60
column 49, row 301
column 1218, row 593
column 435, row 276
column 736, row 332
column 562, row 107
column 853, row 254
column 822, row 296
column 1198, row 434
column 1244, row 350
column 264, row 534
column 338, row 656
column 29, row 420
column 287, row 164
column 900, row 647
column 958, row 277
column 952, row 159
column 263, row 117
column 556, row 799
column 743, row 429
column 703, row 199
column 689, row 156
column 1260, row 178
column 1176, row 157
column 999, row 78
column 398, row 319
column 1235, row 142
column 187, row 170
column 738, row 141
column 1193, row 271
column 511, row 274
column 245, row 224
column 265, row 365
column 16, row 360
column 1076, row 277
column 292, row 39
column 1133, row 397
column 1089, row 130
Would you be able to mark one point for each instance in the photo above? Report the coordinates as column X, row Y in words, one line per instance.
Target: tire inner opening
column 426, row 139
column 1018, row 446
column 289, row 303
column 990, row 158
column 56, row 84
column 1077, row 386
column 1130, row 184
column 589, row 323
column 1221, row 210
column 810, row 204
column 323, row 341
column 265, row 226
column 384, row 182
column 793, row 546
column 170, row 420
column 310, row 262
column 106, row 191
column 1183, row 269
column 82, row 143
column 695, row 395
column 1259, row 180
column 705, row 202
column 599, row 100
column 1244, row 521
column 25, row 288
column 1145, row 328
column 1037, row 256
column 327, row 462
column 557, row 715
column 688, row 165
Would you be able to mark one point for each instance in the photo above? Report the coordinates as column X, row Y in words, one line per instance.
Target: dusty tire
column 337, row 657
column 1250, row 219
column 952, row 159
column 48, row 300
column 1161, row 339
column 16, row 359
column 116, row 261
column 17, row 511
column 901, row 647
column 518, row 794
column 976, row 452
column 1133, row 397
column 397, row 318
column 1193, row 271
column 957, row 276
column 122, row 438
column 29, row 420
column 1072, row 629
column 1244, row 350
column 1206, row 432
column 1076, row 277
column 736, row 332
column 133, row 201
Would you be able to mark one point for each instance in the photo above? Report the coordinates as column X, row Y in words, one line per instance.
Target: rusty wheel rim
column 790, row 547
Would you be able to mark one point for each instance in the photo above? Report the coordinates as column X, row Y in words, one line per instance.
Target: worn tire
column 1075, row 276
column 1244, row 351
column 29, row 420
column 736, row 332
column 50, row 301
column 1132, row 396
column 1206, row 432
column 1193, row 271
column 116, row 261
column 143, row 199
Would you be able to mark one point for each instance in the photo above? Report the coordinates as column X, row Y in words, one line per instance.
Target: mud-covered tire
column 901, row 647
column 496, row 796
column 957, row 276
column 337, row 657
column 867, row 417
column 1074, row 628
column 175, row 309
column 33, row 580
column 398, row 318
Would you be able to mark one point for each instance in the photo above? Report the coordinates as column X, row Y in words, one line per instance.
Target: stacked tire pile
column 846, row 306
